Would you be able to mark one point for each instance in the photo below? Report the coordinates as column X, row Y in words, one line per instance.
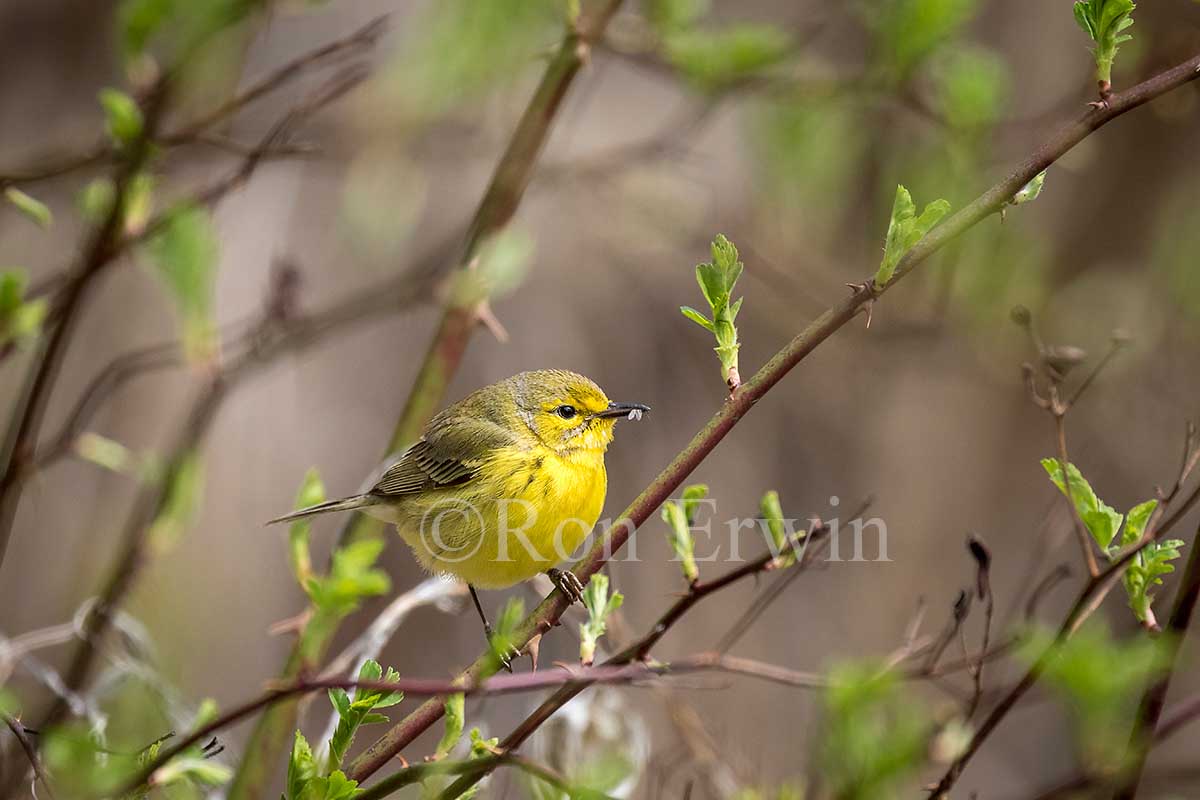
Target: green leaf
column 31, row 207
column 669, row 16
column 1103, row 21
column 905, row 230
column 972, row 87
column 455, row 719
column 1101, row 520
column 599, row 605
column 717, row 279
column 105, row 453
column 1101, row 679
column 138, row 21
column 185, row 253
column 875, row 733
column 352, row 577
column 80, row 764
column 692, row 495
column 696, row 317
column 20, row 320
column 715, row 59
column 906, row 32
column 1146, row 569
column 778, row 529
column 1136, row 520
column 1031, row 190
column 192, row 768
column 355, row 712
column 679, row 535
column 12, row 291
column 95, row 200
column 122, row 115
column 504, row 632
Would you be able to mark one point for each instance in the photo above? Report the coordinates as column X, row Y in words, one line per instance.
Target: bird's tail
column 344, row 504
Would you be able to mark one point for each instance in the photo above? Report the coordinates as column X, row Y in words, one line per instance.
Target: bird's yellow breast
column 528, row 509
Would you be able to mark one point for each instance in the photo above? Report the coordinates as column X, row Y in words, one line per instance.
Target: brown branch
column 363, row 38
column 1150, row 708
column 193, row 131
column 272, row 337
column 32, row 401
column 740, row 401
column 35, row 763
column 627, row 673
column 1180, row 717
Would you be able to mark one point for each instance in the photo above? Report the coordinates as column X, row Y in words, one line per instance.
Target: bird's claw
column 504, row 652
column 567, row 583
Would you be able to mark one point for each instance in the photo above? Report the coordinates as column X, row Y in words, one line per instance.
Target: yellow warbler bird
column 502, row 485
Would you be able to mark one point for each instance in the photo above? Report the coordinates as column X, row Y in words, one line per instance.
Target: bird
column 502, row 485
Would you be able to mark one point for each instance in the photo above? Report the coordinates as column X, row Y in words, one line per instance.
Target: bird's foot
column 567, row 583
column 504, row 652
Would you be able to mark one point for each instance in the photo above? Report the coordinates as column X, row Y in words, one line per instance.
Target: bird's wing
column 450, row 454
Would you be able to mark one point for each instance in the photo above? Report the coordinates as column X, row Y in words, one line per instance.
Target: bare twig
column 35, row 762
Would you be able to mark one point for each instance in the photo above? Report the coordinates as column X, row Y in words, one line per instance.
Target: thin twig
column 35, row 762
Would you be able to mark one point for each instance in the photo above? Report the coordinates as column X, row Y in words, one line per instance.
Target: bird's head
column 568, row 412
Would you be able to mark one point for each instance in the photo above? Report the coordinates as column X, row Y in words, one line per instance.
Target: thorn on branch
column 865, row 288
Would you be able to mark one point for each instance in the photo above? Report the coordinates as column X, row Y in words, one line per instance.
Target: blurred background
column 783, row 125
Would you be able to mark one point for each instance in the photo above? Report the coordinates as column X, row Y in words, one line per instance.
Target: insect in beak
column 622, row 410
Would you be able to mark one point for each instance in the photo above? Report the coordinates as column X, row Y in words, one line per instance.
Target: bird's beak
column 622, row 410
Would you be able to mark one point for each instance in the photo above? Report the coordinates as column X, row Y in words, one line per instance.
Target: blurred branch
column 362, row 39
column 627, row 673
column 20, row 450
column 739, row 403
column 276, row 333
column 497, row 206
column 1181, row 715
column 1150, row 708
column 35, row 763
column 27, row 413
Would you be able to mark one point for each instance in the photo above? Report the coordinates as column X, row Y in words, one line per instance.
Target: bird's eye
column 566, row 412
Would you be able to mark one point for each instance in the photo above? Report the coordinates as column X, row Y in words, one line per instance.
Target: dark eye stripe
column 566, row 412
